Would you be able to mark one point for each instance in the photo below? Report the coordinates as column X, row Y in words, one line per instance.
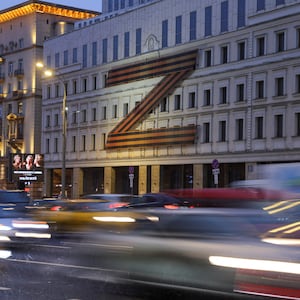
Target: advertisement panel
column 27, row 167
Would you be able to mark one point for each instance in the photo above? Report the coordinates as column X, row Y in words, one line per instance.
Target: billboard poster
column 27, row 167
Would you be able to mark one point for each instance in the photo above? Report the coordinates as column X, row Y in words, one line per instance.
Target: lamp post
column 49, row 73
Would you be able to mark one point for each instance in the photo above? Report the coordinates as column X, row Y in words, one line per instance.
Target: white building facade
column 160, row 89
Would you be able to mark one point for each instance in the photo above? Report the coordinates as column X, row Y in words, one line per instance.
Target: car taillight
column 117, row 204
column 56, row 208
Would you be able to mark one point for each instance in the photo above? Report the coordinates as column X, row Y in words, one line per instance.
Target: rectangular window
column 126, row 44
column 280, row 2
column 47, row 145
column 177, row 102
column 103, row 113
column 66, row 56
column 48, row 61
column 279, row 85
column 48, row 121
column 138, row 41
column 110, row 5
column 241, row 17
column 48, row 91
column 206, row 132
column 224, row 54
column 223, row 95
column 83, row 143
column 224, row 16
column 125, row 109
column 115, row 47
column 94, row 114
column 207, row 97
column 260, row 46
column 298, row 38
column 178, row 30
column 122, row 4
column 94, row 53
column 298, row 83
column 130, row 3
column 297, row 117
column 259, row 127
column 104, row 51
column 55, row 145
column 239, row 129
column 84, row 56
column 260, row 5
column 280, row 42
column 84, row 85
column 56, row 60
column 75, row 56
column 74, row 143
column 164, row 104
column 240, row 92
column 260, row 86
column 207, row 58
column 192, row 100
column 74, row 117
column 83, row 116
column 94, row 82
column 222, row 131
column 193, row 25
column 116, row 5
column 208, row 21
column 115, row 111
column 241, row 50
column 165, row 34
column 278, row 126
column 93, row 142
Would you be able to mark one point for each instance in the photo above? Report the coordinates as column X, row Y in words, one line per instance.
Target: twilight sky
column 85, row 4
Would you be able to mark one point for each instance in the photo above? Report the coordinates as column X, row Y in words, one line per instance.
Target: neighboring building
column 160, row 89
column 23, row 30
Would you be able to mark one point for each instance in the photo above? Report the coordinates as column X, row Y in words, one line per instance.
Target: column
column 155, row 180
column 109, row 180
column 142, row 180
column 77, row 185
column 198, row 176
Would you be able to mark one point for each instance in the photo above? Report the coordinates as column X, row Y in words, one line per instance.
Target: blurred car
column 213, row 251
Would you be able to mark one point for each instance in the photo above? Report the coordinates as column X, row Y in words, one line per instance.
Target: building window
column 207, row 58
column 48, row 121
column 84, row 85
column 94, row 53
column 116, row 5
column 259, row 127
column 223, row 95
column 297, row 124
column 260, row 5
column 224, row 54
column 192, row 100
column 94, row 82
column 84, row 56
column 298, row 83
column 74, row 117
column 280, row 42
column 224, row 16
column 165, row 34
column 83, row 143
column 222, row 131
column 126, row 44
column 260, row 86
column 280, row 2
column 93, row 142
column 138, row 41
column 122, row 4
column 74, row 143
column 47, row 145
column 103, row 113
column 125, row 109
column 298, row 38
column 177, row 102
column 55, row 145
column 94, row 114
column 66, row 56
column 239, row 129
column 241, row 17
column 83, row 116
column 56, row 60
column 75, row 56
column 178, row 30
column 104, row 51
column 241, row 50
column 207, row 97
column 56, row 120
column 115, row 47
column 240, row 92
column 193, row 25
column 279, row 86
column 208, row 21
column 74, row 86
column 278, row 126
column 260, row 46
column 48, row 91
column 206, row 132
column 56, row 90
column 115, row 111
column 164, row 104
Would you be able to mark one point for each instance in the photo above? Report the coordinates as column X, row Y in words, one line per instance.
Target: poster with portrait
column 27, row 167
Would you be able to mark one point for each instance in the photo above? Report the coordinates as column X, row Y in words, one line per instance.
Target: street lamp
column 49, row 73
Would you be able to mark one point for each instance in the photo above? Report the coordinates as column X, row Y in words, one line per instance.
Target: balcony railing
column 19, row 73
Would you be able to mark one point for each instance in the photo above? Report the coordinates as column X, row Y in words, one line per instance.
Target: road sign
column 215, row 164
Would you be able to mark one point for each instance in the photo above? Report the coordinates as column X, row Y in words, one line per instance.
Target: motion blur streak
column 255, row 264
column 37, row 225
column 4, row 228
column 115, row 219
column 291, row 205
column 4, row 238
column 283, row 241
column 5, row 254
column 291, row 228
column 33, row 235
